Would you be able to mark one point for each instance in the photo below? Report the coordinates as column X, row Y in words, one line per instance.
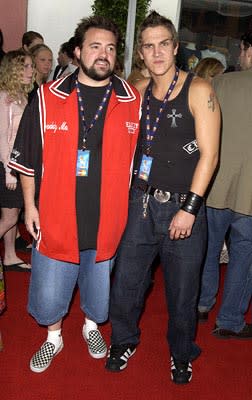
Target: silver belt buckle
column 161, row 196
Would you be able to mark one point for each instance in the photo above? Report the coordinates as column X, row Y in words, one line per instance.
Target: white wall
column 56, row 20
column 169, row 8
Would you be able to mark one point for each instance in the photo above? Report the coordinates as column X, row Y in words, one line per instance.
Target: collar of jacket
column 63, row 87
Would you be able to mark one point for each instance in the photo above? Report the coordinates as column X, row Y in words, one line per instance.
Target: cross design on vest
column 173, row 115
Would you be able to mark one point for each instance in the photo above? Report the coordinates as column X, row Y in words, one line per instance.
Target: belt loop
column 177, row 197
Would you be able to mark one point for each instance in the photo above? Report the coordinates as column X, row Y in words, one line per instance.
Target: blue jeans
column 181, row 261
column 53, row 282
column 238, row 279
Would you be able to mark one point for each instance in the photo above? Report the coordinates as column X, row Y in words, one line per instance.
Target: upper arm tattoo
column 211, row 102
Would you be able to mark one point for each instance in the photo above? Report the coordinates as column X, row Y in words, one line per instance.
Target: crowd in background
column 22, row 71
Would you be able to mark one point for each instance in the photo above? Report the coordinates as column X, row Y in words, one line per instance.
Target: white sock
column 90, row 325
column 55, row 338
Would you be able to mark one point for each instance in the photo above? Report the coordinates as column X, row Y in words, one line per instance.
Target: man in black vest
column 177, row 155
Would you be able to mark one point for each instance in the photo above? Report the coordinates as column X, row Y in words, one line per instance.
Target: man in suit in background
column 65, row 59
column 229, row 204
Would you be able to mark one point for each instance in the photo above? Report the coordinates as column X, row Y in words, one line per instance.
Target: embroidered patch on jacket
column 191, row 147
column 14, row 154
column 131, row 126
column 173, row 116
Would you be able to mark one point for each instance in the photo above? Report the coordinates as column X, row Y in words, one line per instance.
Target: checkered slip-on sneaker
column 44, row 356
column 97, row 347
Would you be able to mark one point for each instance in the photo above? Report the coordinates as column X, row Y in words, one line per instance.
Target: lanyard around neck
column 101, row 106
column 150, row 133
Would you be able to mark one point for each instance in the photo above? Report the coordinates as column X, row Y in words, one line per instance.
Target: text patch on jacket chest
column 59, row 127
column 131, row 126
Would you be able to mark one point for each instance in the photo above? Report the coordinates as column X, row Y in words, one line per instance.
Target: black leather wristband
column 192, row 203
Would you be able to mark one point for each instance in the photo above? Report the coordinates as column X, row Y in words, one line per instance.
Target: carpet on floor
column 222, row 372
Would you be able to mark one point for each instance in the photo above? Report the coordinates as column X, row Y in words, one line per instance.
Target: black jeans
column 181, row 261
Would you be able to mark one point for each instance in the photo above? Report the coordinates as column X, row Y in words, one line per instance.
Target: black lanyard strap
column 86, row 129
column 150, row 133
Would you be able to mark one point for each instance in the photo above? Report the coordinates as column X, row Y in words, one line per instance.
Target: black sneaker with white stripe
column 181, row 372
column 42, row 359
column 118, row 356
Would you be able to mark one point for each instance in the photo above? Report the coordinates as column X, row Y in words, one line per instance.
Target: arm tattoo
column 210, row 102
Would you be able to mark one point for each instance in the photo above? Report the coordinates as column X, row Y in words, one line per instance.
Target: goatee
column 93, row 74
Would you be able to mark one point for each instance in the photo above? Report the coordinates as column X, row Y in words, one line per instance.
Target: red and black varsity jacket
column 46, row 146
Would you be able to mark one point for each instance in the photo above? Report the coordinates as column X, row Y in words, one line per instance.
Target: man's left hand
column 181, row 225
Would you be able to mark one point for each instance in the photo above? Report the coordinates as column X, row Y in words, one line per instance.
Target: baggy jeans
column 181, row 261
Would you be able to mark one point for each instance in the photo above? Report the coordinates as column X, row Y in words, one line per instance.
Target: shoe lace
column 118, row 350
column 181, row 366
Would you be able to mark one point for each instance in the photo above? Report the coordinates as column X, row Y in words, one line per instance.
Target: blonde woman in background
column 16, row 81
column 43, row 58
column 208, row 68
